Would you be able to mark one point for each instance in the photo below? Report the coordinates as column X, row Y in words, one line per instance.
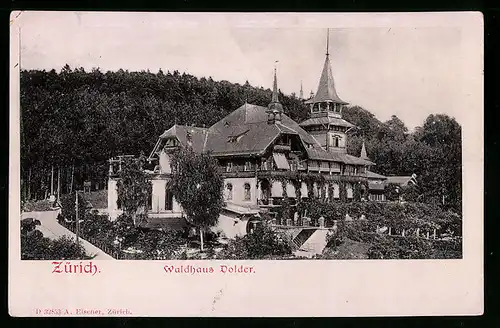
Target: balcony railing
column 328, row 177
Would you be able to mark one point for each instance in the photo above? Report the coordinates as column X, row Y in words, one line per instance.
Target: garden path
column 53, row 230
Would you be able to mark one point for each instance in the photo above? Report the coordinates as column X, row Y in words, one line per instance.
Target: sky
column 391, row 68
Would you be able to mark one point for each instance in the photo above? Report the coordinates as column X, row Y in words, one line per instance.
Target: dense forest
column 73, row 121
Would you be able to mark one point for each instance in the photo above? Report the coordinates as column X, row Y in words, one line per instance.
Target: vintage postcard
column 237, row 164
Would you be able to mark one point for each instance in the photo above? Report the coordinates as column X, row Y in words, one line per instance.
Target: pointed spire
column 327, row 40
column 326, row 88
column 301, row 94
column 275, row 88
column 363, row 152
column 274, row 108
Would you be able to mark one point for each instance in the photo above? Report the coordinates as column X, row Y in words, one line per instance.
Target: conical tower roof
column 275, row 105
column 326, row 88
column 363, row 152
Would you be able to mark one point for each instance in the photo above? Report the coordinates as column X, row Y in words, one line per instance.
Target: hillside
column 76, row 120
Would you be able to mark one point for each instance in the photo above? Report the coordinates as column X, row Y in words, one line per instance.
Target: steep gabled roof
column 249, row 122
column 326, row 88
column 180, row 132
column 246, row 131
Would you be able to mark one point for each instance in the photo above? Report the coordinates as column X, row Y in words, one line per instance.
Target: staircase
column 302, row 237
column 316, row 241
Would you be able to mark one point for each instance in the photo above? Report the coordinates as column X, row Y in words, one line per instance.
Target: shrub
column 94, row 225
column 27, row 225
column 34, row 246
column 264, row 242
column 383, row 247
column 125, row 228
column 65, row 248
column 158, row 243
column 348, row 250
column 448, row 249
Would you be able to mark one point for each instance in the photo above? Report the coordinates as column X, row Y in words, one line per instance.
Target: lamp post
column 118, row 245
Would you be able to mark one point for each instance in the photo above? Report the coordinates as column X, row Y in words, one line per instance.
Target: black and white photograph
column 248, row 150
column 231, row 144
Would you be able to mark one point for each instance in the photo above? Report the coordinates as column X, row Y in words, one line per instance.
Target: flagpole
column 327, row 40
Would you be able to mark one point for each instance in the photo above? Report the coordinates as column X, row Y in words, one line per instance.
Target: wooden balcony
column 327, row 177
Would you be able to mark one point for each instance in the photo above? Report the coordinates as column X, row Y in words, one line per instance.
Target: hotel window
column 229, row 188
column 150, row 202
column 336, row 142
column 324, row 166
column 336, row 191
column 320, row 191
column 229, row 167
column 335, row 167
column 263, row 165
column 169, row 201
column 377, row 197
column 247, row 195
column 349, row 191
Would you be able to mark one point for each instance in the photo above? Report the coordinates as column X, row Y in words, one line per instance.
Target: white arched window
column 247, row 193
column 335, row 141
column 229, row 195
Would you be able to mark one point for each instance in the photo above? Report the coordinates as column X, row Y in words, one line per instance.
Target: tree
column 443, row 180
column 396, row 128
column 134, row 189
column 198, row 187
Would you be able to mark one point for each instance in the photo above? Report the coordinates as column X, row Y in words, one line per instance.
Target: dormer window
column 236, row 138
column 171, row 142
column 335, row 141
